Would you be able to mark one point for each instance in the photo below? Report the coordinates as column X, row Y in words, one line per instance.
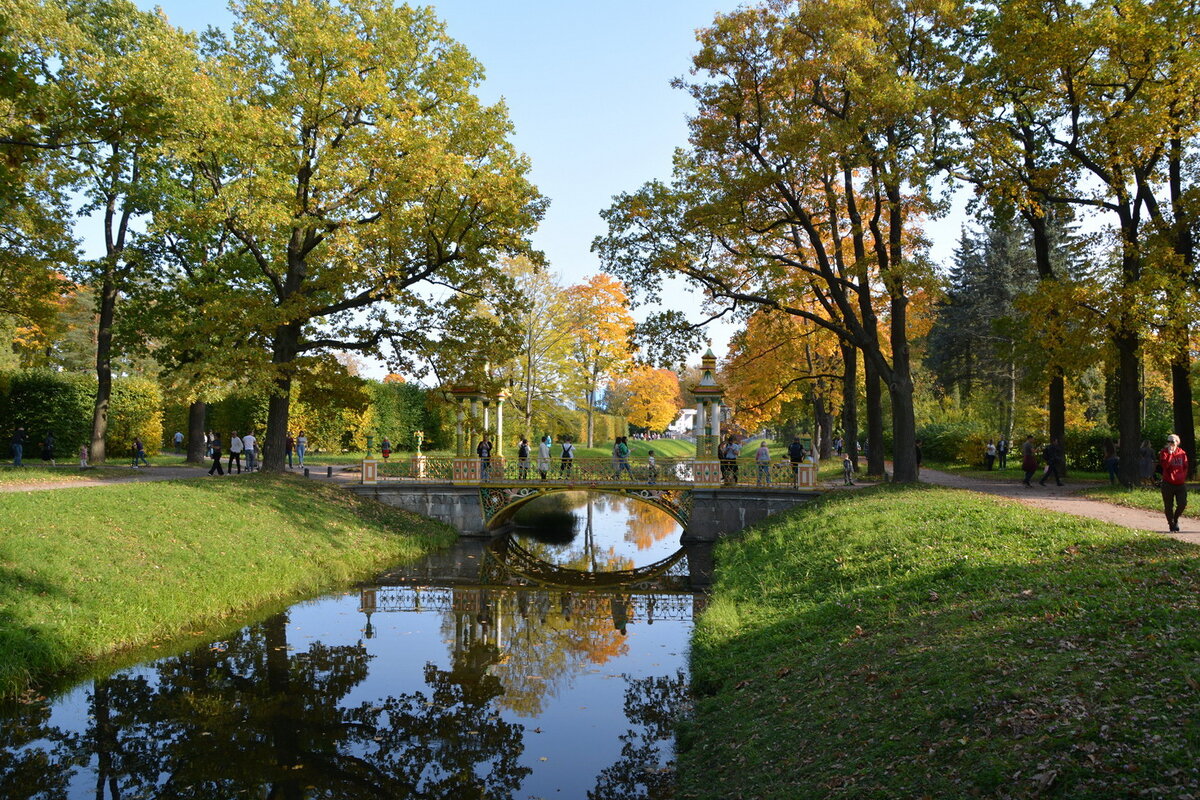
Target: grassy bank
column 86, row 573
column 1147, row 498
column 921, row 642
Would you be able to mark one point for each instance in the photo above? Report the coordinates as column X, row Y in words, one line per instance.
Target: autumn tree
column 368, row 184
column 600, row 328
column 649, row 398
column 806, row 110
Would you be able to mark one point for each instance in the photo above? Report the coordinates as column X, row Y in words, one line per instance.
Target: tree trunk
column 197, row 412
column 287, row 345
column 1057, row 402
column 1056, row 394
column 1181, row 404
column 874, row 396
column 824, row 428
column 104, row 335
column 1129, row 402
column 850, row 401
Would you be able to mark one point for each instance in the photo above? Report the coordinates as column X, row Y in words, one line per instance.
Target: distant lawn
column 86, row 573
column 1012, row 473
column 907, row 642
column 1144, row 497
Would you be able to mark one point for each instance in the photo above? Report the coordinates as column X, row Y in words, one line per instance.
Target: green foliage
column 41, row 401
column 398, row 411
column 136, row 410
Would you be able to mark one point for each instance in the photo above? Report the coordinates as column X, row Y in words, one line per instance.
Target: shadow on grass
column 1033, row 656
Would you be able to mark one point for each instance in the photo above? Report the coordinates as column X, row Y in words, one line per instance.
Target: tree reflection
column 652, row 705
column 249, row 717
column 35, row 757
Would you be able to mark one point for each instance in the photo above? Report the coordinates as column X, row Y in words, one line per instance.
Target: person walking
column 523, row 459
column 1174, row 463
column 623, row 458
column 484, row 451
column 568, row 458
column 543, row 457
column 178, row 440
column 1053, row 456
column 796, row 456
column 18, row 446
column 301, row 448
column 734, row 451
column 651, row 468
column 385, row 448
column 1028, row 460
column 83, row 455
column 48, row 447
column 214, row 450
column 139, row 452
column 989, row 455
column 235, row 453
column 762, row 458
column 250, row 448
column 1146, row 463
column 208, row 438
column 289, row 444
column 847, row 470
column 1002, row 453
column 1111, row 461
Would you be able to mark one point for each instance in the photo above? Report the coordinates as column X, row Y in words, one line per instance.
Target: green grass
column 86, row 573
column 908, row 641
column 1144, row 497
column 1013, row 473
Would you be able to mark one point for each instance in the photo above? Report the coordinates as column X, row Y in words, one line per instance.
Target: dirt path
column 1064, row 499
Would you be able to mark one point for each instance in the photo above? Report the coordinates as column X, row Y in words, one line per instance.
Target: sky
column 587, row 85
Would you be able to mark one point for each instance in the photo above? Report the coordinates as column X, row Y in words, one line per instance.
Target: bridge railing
column 688, row 472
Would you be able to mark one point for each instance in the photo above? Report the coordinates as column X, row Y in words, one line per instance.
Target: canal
column 550, row 662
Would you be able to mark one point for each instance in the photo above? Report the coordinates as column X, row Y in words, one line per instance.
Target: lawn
column 86, row 573
column 1144, row 497
column 909, row 641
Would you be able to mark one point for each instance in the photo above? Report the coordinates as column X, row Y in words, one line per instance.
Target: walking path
column 71, row 477
column 1062, row 498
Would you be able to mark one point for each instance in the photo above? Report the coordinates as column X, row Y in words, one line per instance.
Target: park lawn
column 29, row 474
column 911, row 641
column 1013, row 473
column 87, row 573
column 1148, row 498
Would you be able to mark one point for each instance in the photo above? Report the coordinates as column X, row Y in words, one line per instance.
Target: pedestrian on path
column 139, row 452
column 1111, row 460
column 1053, row 455
column 1174, row 463
column 762, row 457
column 301, row 448
column 178, row 439
column 1002, row 453
column 250, row 448
column 18, row 446
column 214, row 449
column 989, row 455
column 83, row 455
column 289, row 443
column 1028, row 460
column 235, row 453
column 48, row 448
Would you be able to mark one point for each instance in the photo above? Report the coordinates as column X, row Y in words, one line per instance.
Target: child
column 651, row 468
column 83, row 456
column 847, row 469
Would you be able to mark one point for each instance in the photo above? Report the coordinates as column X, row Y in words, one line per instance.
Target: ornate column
column 709, row 393
column 466, row 466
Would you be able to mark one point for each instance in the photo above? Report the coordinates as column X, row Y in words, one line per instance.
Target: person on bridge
column 484, row 451
column 523, row 459
column 544, row 456
column 762, row 457
column 651, row 468
column 622, row 451
column 796, row 456
column 568, row 458
column 1174, row 463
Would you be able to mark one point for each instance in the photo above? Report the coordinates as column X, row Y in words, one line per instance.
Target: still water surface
column 513, row 669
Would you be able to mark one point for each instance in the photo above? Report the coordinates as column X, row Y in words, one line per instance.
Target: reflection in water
column 489, row 701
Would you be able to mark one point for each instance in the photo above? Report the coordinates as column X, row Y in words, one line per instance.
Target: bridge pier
column 720, row 511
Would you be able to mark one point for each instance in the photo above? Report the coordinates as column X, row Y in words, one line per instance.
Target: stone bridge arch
column 502, row 502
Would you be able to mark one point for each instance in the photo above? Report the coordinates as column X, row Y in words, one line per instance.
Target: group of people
column 18, row 447
column 995, row 453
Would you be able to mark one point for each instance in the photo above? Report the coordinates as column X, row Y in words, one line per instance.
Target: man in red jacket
column 1174, row 465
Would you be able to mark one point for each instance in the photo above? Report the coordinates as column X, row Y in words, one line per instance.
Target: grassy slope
column 909, row 642
column 85, row 573
column 1147, row 498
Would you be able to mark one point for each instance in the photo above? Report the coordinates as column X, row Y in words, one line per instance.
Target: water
column 522, row 668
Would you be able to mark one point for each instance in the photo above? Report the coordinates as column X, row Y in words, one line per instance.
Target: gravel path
column 1062, row 498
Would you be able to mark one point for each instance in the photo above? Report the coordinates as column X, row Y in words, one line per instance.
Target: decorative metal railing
column 596, row 472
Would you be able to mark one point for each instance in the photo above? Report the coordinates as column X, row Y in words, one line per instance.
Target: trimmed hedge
column 62, row 403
